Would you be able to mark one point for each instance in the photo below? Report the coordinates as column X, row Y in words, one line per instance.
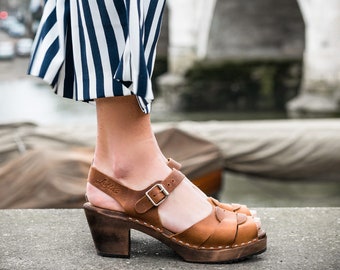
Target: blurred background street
column 15, row 68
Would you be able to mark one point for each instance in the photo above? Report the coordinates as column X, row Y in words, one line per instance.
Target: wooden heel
column 111, row 236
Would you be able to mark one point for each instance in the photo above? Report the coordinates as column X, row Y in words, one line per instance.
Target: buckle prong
column 162, row 189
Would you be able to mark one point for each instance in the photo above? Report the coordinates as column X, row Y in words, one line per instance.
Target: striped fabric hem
column 89, row 49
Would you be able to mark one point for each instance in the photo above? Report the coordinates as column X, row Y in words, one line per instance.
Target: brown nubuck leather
column 223, row 236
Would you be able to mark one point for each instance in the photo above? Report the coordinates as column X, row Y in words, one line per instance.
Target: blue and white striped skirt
column 88, row 49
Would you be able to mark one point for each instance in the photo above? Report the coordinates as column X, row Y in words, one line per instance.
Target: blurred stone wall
column 261, row 29
column 251, row 59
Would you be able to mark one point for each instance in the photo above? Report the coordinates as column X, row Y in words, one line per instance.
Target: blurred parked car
column 23, row 46
column 17, row 30
column 7, row 23
column 13, row 26
column 7, row 50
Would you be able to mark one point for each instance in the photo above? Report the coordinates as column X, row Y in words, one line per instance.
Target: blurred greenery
column 242, row 85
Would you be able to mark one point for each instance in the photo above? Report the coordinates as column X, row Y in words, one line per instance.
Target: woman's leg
column 127, row 150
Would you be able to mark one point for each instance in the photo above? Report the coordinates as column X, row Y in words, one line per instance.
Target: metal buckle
column 161, row 189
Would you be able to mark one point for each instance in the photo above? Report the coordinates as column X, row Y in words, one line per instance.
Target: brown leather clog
column 222, row 236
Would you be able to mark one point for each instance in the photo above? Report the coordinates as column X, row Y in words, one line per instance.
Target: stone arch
column 261, row 29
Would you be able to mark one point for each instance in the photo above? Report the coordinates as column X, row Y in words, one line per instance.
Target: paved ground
column 298, row 238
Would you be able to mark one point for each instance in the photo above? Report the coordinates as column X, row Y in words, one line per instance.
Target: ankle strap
column 141, row 201
column 174, row 164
